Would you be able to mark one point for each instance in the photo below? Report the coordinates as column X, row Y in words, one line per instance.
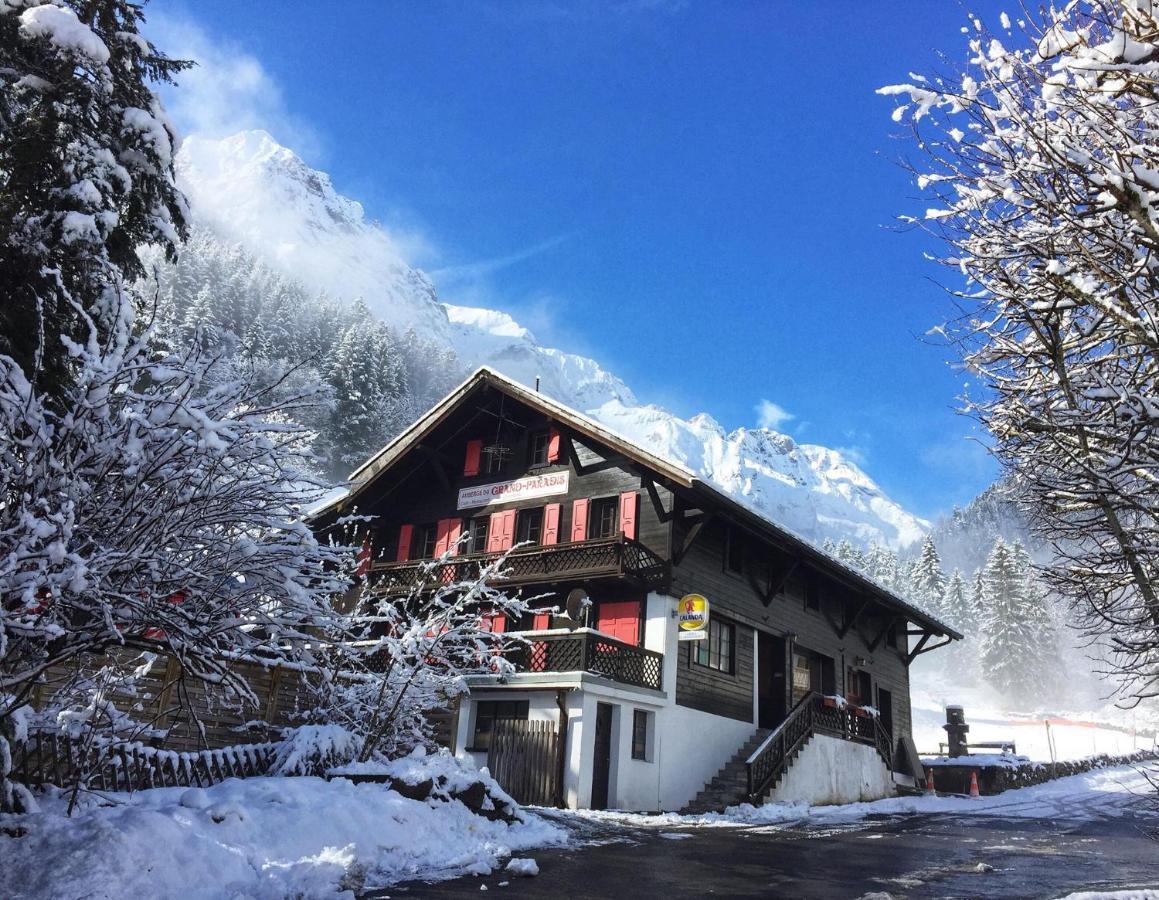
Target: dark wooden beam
column 776, row 580
column 849, row 621
column 890, row 622
column 919, row 650
column 913, row 654
column 681, row 545
column 664, row 515
column 435, row 459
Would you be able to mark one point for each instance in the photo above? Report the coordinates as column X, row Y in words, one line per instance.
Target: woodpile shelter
column 795, row 685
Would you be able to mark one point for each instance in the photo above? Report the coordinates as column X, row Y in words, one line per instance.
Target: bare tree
column 1042, row 159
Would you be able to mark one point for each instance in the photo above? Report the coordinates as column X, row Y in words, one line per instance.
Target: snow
column 1084, row 797
column 63, row 29
column 260, row 838
column 1140, row 894
column 250, row 189
column 523, row 867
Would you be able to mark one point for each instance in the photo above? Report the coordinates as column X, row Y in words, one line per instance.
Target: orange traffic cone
column 974, row 792
column 930, row 781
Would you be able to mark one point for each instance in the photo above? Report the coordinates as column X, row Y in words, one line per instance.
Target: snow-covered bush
column 154, row 507
column 314, row 750
column 395, row 659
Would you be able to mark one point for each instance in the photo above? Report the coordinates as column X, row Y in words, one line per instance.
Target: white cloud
column 772, row 415
column 228, row 91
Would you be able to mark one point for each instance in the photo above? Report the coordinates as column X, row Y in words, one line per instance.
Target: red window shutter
column 472, row 464
column 447, row 536
column 496, row 623
column 579, row 520
column 508, row 530
column 553, row 445
column 551, row 524
column 541, row 622
column 621, row 620
column 363, row 558
column 628, row 514
column 405, row 539
column 495, row 533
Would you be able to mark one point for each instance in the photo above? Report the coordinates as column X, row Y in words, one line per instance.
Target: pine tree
column 86, row 172
column 1009, row 652
column 955, row 604
column 927, row 580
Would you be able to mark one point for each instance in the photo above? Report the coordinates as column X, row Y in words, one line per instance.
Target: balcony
column 615, row 557
column 586, row 650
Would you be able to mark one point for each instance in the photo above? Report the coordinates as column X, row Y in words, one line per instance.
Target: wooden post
column 561, row 749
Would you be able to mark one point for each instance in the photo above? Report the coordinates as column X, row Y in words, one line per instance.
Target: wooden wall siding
column 702, row 571
column 282, row 698
column 417, row 493
column 708, row 690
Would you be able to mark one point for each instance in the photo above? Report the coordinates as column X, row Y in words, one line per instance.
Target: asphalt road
column 897, row 857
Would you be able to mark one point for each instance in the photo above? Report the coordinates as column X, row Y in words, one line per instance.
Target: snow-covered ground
column 1074, row 733
column 257, row 838
column 1090, row 795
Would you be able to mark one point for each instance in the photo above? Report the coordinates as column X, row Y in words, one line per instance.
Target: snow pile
column 987, row 760
column 523, row 867
column 259, row 838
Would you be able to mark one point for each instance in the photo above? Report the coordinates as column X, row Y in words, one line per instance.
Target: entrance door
column 602, row 761
column 885, row 708
column 770, row 680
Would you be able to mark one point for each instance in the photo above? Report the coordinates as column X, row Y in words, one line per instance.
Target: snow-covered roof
column 673, row 471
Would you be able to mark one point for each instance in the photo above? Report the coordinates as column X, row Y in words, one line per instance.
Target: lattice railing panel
column 603, row 557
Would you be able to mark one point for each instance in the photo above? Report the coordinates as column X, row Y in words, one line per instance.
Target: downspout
column 561, row 747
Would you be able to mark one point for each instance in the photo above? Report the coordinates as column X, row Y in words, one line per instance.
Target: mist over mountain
column 249, row 191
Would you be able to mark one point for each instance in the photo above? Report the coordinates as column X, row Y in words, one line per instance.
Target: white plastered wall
column 831, row 770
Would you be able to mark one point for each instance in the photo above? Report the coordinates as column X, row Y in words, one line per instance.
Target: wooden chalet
column 797, row 687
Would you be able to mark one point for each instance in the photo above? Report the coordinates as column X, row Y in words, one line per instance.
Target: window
column 477, row 535
column 538, row 448
column 734, row 552
column 641, row 727
column 605, row 517
column 428, row 537
column 802, row 676
column 495, row 460
column 488, row 712
column 715, row 651
column 529, row 526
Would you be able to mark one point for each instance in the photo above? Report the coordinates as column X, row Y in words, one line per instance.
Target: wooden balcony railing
column 814, row 714
column 614, row 557
column 585, row 650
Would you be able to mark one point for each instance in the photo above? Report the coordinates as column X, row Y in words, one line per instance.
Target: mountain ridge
column 260, row 194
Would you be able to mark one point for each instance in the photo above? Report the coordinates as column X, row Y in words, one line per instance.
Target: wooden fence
column 194, row 716
column 524, row 758
column 53, row 758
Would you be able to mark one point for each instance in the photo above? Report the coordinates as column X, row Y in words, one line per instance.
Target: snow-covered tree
column 955, row 605
column 404, row 657
column 927, row 581
column 150, row 505
column 273, row 330
column 1041, row 162
column 1019, row 647
column 86, row 171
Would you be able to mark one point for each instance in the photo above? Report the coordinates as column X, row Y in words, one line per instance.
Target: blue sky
column 699, row 195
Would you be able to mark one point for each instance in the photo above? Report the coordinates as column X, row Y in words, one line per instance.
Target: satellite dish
column 578, row 604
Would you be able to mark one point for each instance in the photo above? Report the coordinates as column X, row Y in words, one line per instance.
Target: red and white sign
column 510, row 491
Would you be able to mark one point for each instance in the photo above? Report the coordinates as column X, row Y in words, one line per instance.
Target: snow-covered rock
column 252, row 190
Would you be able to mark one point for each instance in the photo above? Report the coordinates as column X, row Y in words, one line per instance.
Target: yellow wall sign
column 693, row 612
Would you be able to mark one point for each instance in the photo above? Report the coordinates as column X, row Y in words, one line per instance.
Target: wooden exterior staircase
column 758, row 767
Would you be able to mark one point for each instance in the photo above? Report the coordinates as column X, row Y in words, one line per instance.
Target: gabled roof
column 677, row 475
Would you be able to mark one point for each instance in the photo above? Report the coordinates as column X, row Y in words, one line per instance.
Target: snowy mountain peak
column 251, row 190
